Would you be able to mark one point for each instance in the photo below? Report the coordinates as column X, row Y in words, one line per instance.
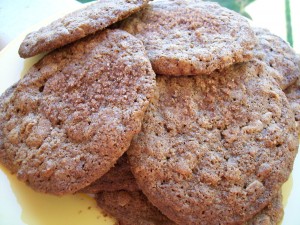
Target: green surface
column 84, row 1
column 236, row 5
column 289, row 31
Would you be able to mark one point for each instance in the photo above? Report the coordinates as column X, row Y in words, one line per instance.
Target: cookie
column 4, row 100
column 78, row 24
column 191, row 37
column 293, row 95
column 272, row 214
column 117, row 178
column 131, row 208
column 215, row 149
column 134, row 208
column 279, row 55
column 75, row 112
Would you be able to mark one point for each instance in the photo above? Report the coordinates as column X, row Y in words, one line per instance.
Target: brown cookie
column 279, row 55
column 134, row 208
column 215, row 149
column 117, row 178
column 75, row 112
column 78, row 24
column 293, row 95
column 191, row 37
column 131, row 208
column 272, row 214
column 4, row 100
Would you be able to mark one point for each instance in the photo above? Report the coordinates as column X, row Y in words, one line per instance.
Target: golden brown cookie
column 191, row 37
column 78, row 24
column 215, row 149
column 75, row 112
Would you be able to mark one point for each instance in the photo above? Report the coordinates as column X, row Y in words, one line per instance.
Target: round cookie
column 293, row 95
column 279, row 55
column 215, row 149
column 184, row 37
column 75, row 112
column 78, row 24
column 117, row 178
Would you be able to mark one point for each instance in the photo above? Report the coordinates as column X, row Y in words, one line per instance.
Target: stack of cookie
column 170, row 112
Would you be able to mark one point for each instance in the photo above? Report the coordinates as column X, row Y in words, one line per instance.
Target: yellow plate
column 19, row 205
